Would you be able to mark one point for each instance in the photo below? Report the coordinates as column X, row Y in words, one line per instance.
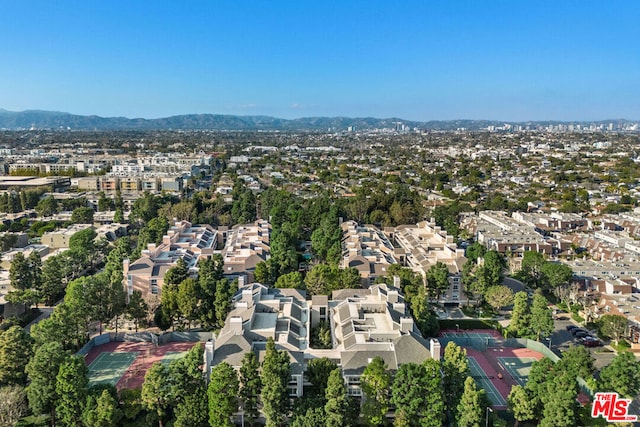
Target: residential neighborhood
column 350, row 249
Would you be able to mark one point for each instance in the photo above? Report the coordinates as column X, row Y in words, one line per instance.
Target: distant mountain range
column 36, row 119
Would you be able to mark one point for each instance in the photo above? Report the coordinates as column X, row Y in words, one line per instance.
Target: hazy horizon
column 612, row 119
column 420, row 61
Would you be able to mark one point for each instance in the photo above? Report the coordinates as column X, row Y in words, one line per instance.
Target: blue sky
column 418, row 60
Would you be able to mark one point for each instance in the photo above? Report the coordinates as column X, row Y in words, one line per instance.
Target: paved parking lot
column 561, row 339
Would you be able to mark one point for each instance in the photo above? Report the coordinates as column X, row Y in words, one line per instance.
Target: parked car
column 581, row 334
column 572, row 327
column 590, row 341
column 560, row 314
column 576, row 330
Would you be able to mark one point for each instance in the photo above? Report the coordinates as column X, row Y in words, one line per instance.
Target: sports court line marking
column 104, row 371
column 518, row 367
column 485, row 383
column 170, row 356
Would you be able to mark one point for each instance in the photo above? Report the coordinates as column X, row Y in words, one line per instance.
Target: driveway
column 44, row 313
column 513, row 284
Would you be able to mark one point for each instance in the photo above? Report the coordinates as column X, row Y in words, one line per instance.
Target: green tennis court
column 485, row 383
column 517, row 367
column 109, row 367
column 170, row 356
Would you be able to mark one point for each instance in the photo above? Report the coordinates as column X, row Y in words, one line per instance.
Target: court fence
column 163, row 338
column 482, row 343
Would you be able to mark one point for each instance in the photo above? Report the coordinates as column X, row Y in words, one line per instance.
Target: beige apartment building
column 366, row 249
column 365, row 323
column 246, row 246
column 183, row 241
column 130, row 184
column 423, row 245
column 60, row 238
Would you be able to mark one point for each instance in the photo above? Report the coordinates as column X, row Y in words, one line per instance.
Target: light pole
column 549, row 338
column 486, row 416
column 241, row 408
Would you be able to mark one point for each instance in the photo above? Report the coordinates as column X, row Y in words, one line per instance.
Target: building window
column 323, row 311
column 455, row 287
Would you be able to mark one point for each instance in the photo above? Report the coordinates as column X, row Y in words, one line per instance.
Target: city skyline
column 569, row 61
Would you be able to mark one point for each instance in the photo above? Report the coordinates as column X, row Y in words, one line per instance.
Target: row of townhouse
column 590, row 269
column 498, row 231
column 365, row 323
column 554, row 221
